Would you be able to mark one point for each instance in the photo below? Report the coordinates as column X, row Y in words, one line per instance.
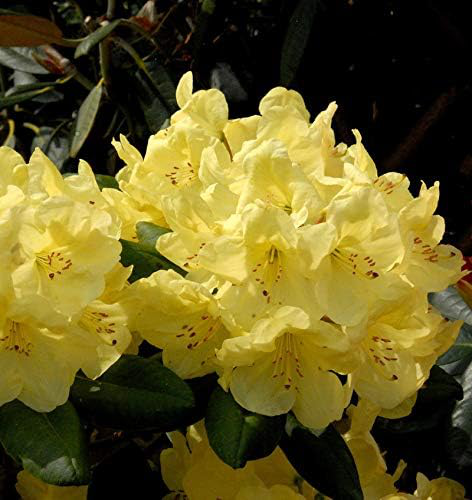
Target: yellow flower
column 271, row 177
column 436, row 489
column 403, row 340
column 13, row 170
column 427, row 265
column 368, row 246
column 206, row 108
column 269, row 259
column 189, row 327
column 62, row 251
column 278, row 367
column 32, row 488
column 192, row 468
column 373, row 476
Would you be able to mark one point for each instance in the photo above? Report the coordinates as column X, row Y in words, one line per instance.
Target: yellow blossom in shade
column 436, row 489
column 13, row 170
column 428, row 265
column 371, row 467
column 192, row 470
column 189, row 327
column 270, row 259
column 403, row 340
column 277, row 367
column 62, row 251
column 206, row 108
column 32, row 488
column 368, row 246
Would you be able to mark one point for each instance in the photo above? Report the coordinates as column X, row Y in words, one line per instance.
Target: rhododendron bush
column 246, row 304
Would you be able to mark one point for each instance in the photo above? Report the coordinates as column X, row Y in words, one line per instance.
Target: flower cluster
column 305, row 278
column 303, row 263
column 61, row 282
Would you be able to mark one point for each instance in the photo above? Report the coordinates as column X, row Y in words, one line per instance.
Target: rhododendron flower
column 32, row 488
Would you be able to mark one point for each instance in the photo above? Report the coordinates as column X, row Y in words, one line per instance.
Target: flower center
column 286, row 361
column 268, row 272
column 356, row 264
column 199, row 331
column 381, row 352
column 427, row 252
column 14, row 339
column 181, row 175
column 387, row 187
column 98, row 322
column 53, row 263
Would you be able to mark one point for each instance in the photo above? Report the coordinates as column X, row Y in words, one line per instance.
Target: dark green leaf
column 86, row 118
column 296, row 38
column 163, row 84
column 21, row 59
column 106, row 181
column 145, row 260
column 135, row 393
column 459, row 435
column 94, row 38
column 324, row 461
column 237, row 435
column 154, row 110
column 27, row 31
column 24, row 96
column 51, row 446
column 148, row 233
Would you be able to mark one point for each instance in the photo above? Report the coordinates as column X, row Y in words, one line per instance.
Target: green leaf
column 459, row 356
column 54, row 144
column 148, row 233
column 21, row 59
column 106, row 181
column 459, row 435
column 97, row 36
column 451, row 305
column 163, row 84
column 145, row 260
column 28, row 31
column 51, row 446
column 135, row 393
column 85, row 119
column 21, row 97
column 296, row 38
column 237, row 435
column 324, row 461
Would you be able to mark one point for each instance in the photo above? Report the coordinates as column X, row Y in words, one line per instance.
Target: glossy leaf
column 451, row 305
column 148, row 233
column 22, row 96
column 51, row 446
column 324, row 461
column 28, row 31
column 296, row 38
column 94, row 38
column 86, row 118
column 106, row 181
column 459, row 435
column 146, row 260
column 135, row 393
column 237, row 435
